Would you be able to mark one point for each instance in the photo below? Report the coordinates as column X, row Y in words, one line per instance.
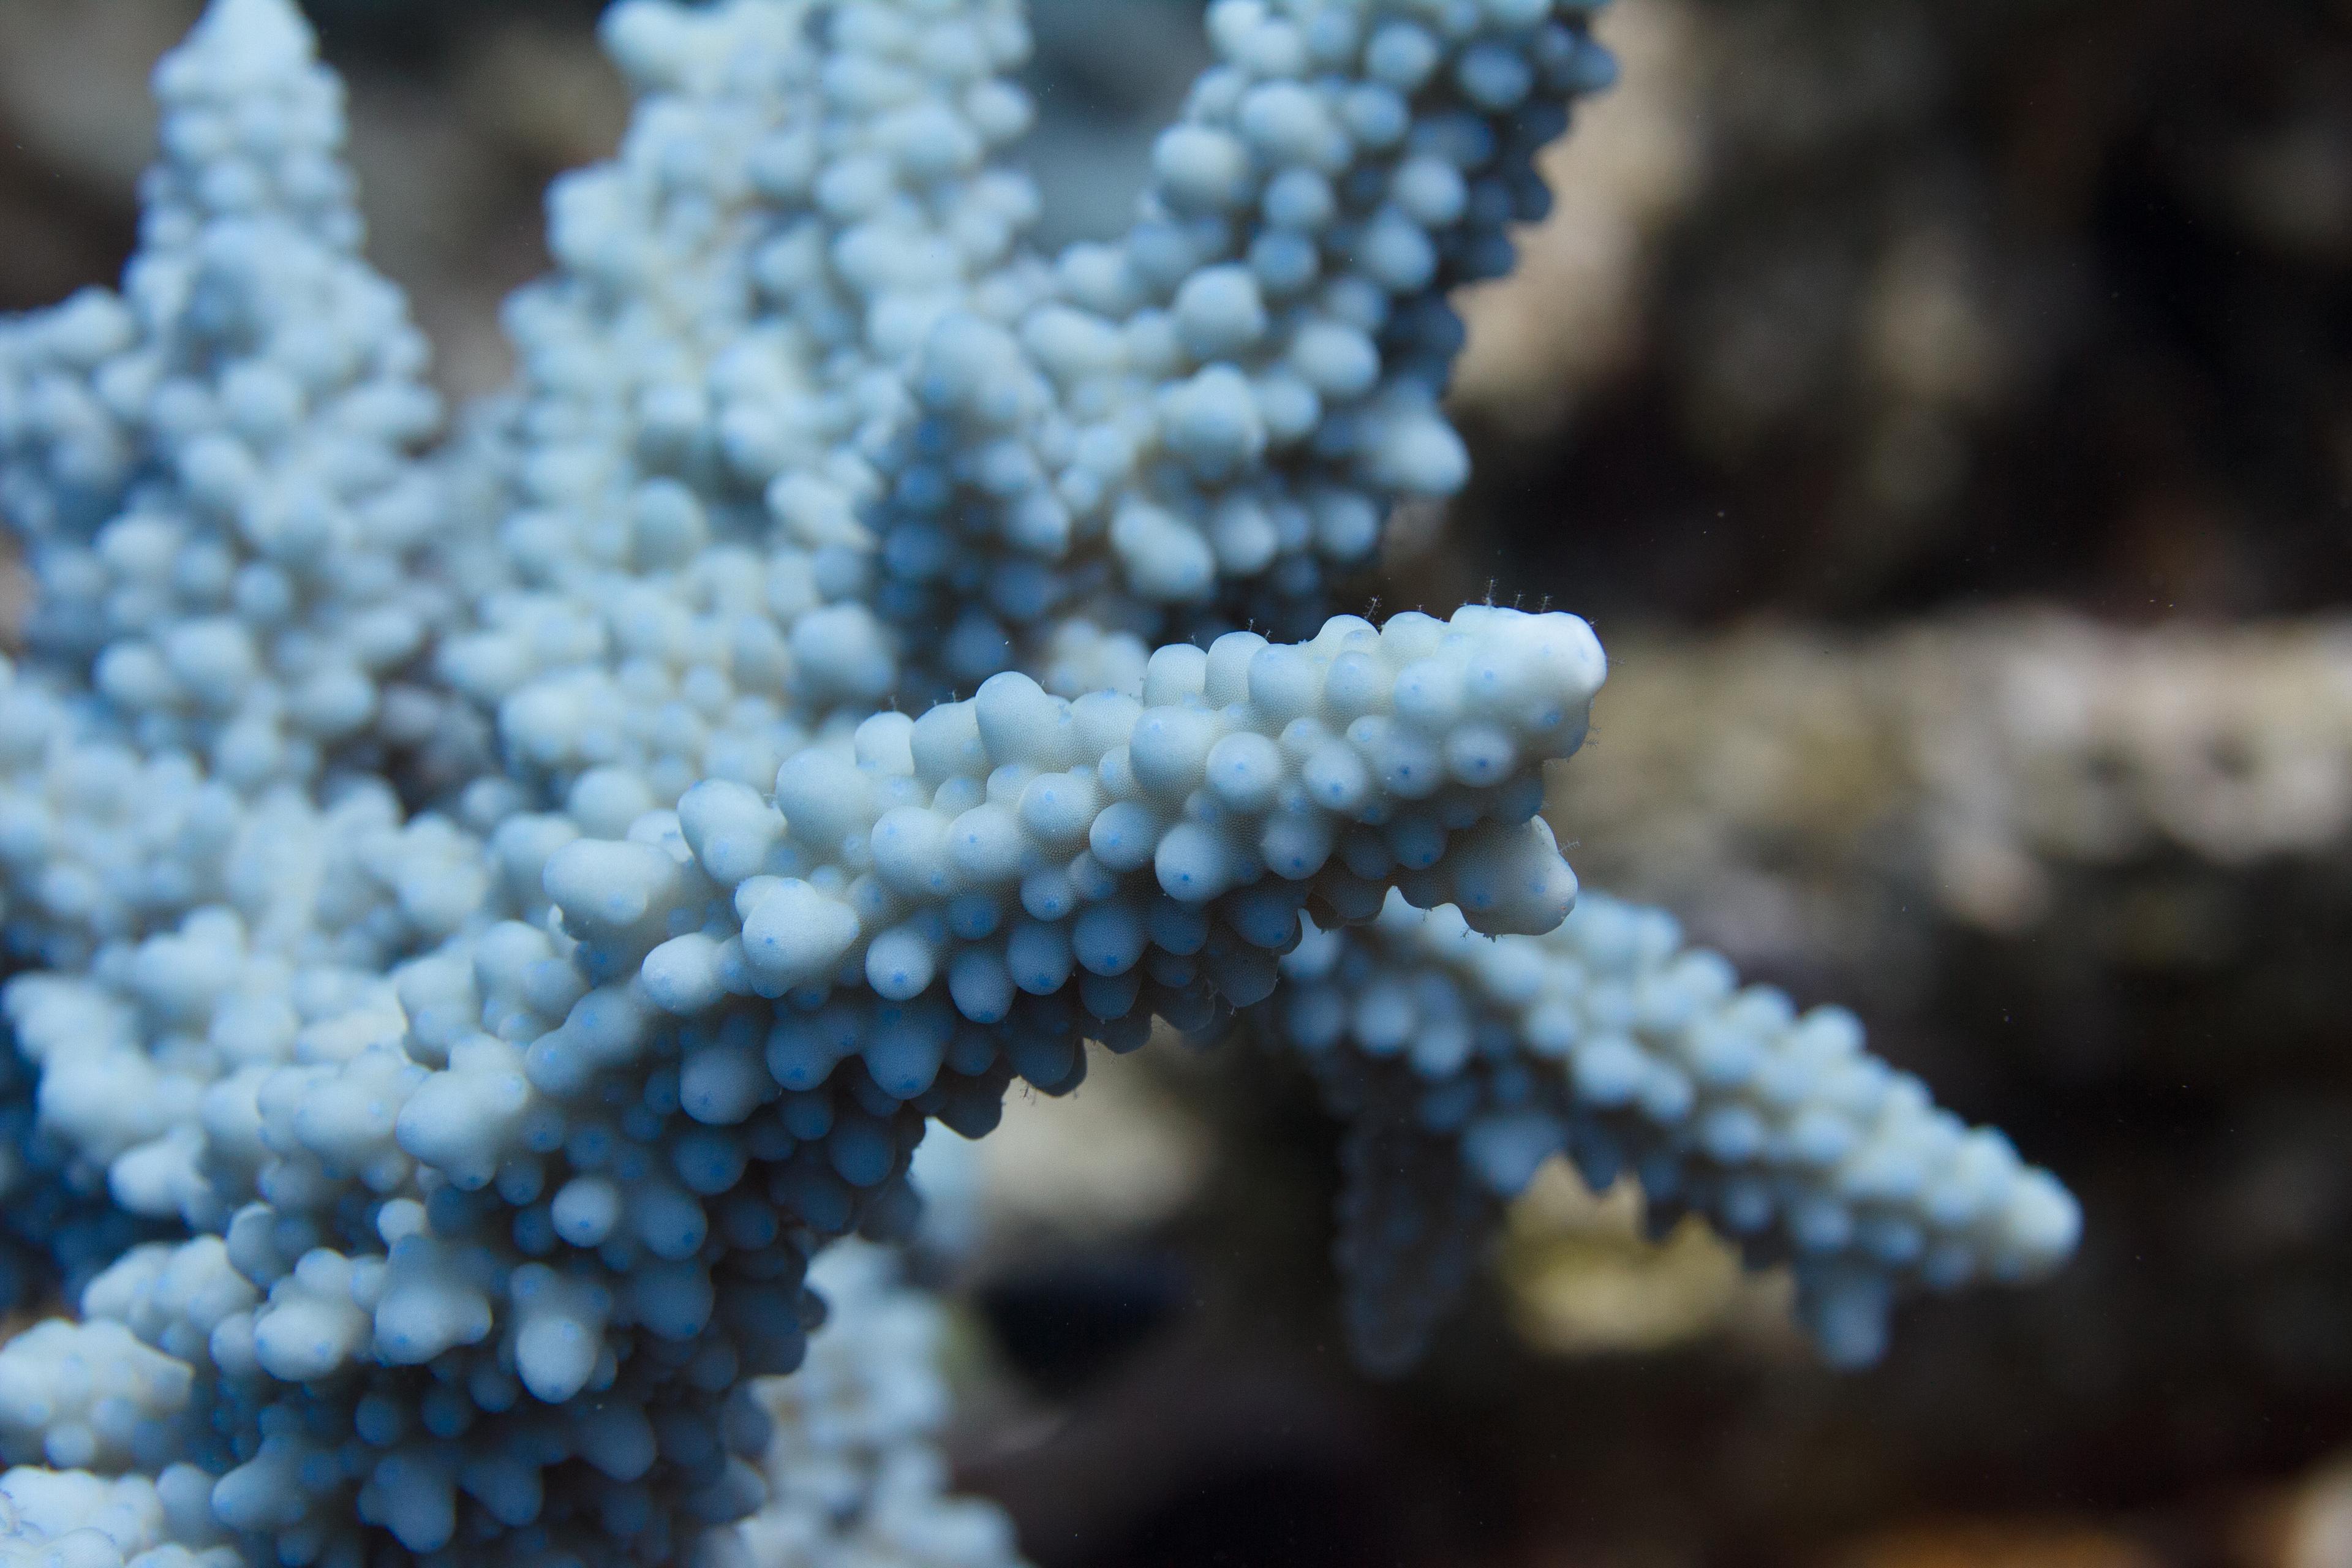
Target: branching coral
column 495, row 909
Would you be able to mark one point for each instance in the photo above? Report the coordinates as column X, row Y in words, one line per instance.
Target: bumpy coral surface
column 493, row 905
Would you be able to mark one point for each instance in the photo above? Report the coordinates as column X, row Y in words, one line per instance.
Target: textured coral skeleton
column 495, row 896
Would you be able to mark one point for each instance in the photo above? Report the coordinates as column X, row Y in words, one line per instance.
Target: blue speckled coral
column 491, row 904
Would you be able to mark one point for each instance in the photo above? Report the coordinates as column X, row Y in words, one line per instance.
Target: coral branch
column 489, row 927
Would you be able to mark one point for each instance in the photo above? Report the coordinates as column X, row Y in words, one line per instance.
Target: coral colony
column 492, row 902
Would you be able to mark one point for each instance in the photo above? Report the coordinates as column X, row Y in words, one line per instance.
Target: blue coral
column 495, row 905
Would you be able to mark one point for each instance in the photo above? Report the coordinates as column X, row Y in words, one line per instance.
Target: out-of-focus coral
column 1772, row 776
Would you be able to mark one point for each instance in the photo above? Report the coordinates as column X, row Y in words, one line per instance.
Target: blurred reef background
column 1943, row 410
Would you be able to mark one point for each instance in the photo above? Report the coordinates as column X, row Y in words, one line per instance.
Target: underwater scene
column 1137, row 784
